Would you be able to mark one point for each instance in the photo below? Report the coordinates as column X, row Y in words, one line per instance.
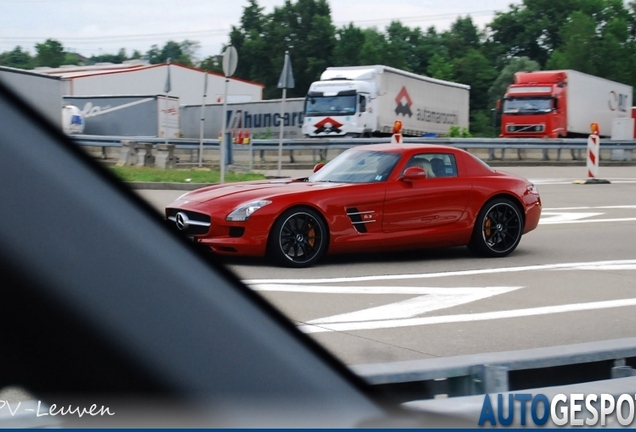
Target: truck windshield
column 527, row 105
column 330, row 105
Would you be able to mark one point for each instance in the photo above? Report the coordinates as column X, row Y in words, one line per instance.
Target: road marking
column 591, row 208
column 429, row 299
column 593, row 265
column 555, row 182
column 415, row 306
column 449, row 319
column 406, row 290
column 404, row 313
column 548, row 218
column 589, row 221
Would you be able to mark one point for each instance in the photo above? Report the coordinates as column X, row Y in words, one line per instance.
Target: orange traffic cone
column 233, row 136
column 246, row 138
column 239, row 138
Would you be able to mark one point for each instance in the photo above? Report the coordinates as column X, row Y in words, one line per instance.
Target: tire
column 497, row 230
column 298, row 238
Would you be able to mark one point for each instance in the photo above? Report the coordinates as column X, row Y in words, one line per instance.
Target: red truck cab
column 535, row 106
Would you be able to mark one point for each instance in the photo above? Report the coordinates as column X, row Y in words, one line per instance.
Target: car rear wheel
column 298, row 238
column 498, row 229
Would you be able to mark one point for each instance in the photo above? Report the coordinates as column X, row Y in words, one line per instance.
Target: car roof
column 409, row 148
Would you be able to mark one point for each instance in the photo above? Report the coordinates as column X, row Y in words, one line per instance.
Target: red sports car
column 376, row 197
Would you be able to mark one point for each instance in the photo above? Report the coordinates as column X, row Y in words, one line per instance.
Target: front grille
column 189, row 222
column 525, row 128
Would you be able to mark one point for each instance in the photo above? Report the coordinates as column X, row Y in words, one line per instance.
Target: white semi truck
column 365, row 101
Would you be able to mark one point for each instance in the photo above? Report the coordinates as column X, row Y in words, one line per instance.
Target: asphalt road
column 572, row 280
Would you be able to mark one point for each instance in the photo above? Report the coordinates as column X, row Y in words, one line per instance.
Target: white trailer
column 591, row 99
column 259, row 119
column 132, row 115
column 365, row 101
column 43, row 92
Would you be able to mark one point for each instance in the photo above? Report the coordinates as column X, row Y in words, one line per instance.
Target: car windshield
column 358, row 166
column 330, row 105
column 527, row 105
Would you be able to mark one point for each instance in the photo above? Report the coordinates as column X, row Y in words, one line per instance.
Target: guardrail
column 502, row 372
column 575, row 146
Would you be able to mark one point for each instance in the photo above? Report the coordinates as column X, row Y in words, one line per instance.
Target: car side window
column 435, row 164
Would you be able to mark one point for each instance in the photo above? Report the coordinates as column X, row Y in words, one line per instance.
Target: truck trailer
column 365, row 101
column 259, row 119
column 129, row 115
column 562, row 104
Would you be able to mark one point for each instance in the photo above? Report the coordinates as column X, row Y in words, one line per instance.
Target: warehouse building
column 137, row 77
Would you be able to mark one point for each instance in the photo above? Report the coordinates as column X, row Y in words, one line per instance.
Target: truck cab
column 340, row 107
column 535, row 106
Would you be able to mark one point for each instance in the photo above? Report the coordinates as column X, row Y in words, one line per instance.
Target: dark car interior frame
column 102, row 303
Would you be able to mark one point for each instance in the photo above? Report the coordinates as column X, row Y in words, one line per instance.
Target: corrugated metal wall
column 186, row 84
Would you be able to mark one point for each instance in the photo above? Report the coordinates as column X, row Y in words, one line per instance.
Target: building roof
column 74, row 71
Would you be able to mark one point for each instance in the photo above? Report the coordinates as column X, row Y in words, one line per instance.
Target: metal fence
column 503, row 371
column 496, row 148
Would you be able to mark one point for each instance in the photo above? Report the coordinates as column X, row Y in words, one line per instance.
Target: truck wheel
column 497, row 230
column 298, row 238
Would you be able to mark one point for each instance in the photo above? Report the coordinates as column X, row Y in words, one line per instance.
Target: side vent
column 360, row 219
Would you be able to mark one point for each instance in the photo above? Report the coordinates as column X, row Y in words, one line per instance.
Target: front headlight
column 532, row 189
column 243, row 212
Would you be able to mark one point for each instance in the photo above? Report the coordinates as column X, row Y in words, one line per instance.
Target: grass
column 146, row 174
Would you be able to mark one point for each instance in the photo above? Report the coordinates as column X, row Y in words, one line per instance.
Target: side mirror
column 413, row 173
column 318, row 166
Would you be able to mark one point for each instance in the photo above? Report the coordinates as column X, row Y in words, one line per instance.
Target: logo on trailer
column 328, row 125
column 618, row 101
column 404, row 102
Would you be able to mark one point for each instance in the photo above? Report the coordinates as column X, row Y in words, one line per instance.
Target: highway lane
column 572, row 280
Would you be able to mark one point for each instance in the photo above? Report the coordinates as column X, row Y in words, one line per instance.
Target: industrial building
column 128, row 98
column 137, row 77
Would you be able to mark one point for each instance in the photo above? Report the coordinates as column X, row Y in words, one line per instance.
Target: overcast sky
column 91, row 27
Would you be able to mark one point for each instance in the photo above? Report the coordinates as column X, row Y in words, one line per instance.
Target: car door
column 439, row 199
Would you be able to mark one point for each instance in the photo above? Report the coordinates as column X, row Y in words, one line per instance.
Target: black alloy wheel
column 498, row 229
column 298, row 238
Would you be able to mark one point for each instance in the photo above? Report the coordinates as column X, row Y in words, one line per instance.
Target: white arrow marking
column 560, row 217
column 539, row 267
column 592, row 208
column 447, row 319
column 416, row 306
column 407, row 290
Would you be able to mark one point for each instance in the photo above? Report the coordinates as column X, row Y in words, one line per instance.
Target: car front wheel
column 298, row 238
column 498, row 229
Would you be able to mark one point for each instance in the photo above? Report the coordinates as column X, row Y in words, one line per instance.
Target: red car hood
column 253, row 190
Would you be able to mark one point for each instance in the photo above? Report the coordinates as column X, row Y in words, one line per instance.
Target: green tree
column 374, row 48
column 349, row 43
column 532, row 29
column 212, row 64
column 475, row 70
column 401, row 42
column 440, row 68
column 580, row 48
column 17, row 58
column 49, row 53
column 462, row 37
column 120, row 57
column 507, row 76
column 430, row 45
column 183, row 53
